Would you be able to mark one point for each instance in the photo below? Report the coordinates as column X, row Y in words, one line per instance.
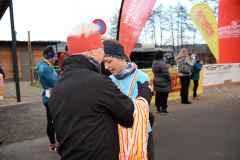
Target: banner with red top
column 133, row 16
column 229, row 31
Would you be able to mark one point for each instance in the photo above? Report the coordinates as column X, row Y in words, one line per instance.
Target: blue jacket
column 125, row 83
column 48, row 77
column 1, row 71
column 197, row 68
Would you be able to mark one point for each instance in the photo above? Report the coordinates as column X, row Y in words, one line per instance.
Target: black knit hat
column 66, row 48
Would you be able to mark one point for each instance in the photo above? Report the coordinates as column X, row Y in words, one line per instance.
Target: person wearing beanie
column 48, row 78
column 183, row 57
column 63, row 54
column 197, row 68
column 162, row 82
column 126, row 75
column 85, row 105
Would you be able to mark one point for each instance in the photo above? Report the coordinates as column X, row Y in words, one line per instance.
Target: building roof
column 151, row 50
column 3, row 7
column 35, row 42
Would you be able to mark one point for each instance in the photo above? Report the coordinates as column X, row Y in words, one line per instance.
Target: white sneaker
column 196, row 98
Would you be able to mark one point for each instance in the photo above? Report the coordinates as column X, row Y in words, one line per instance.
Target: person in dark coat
column 87, row 106
column 162, row 82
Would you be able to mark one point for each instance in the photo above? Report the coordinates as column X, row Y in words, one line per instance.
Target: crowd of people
column 99, row 106
column 163, row 83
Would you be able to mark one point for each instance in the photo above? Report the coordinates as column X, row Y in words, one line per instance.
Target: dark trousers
column 185, row 81
column 161, row 99
column 150, row 147
column 50, row 127
column 195, row 88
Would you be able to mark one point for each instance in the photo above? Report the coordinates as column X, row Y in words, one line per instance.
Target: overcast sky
column 54, row 19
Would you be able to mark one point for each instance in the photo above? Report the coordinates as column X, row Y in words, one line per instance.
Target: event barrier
column 176, row 84
column 213, row 75
column 218, row 75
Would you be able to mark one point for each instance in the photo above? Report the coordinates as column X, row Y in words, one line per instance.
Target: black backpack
column 64, row 61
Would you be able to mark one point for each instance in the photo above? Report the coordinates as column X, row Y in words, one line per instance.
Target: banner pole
column 119, row 20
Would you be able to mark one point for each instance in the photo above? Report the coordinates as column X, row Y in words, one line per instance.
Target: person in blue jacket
column 122, row 74
column 48, row 77
column 197, row 68
column 1, row 71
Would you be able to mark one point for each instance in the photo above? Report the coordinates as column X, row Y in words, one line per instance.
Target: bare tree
column 170, row 20
column 159, row 11
column 178, row 14
column 184, row 23
column 114, row 25
column 151, row 24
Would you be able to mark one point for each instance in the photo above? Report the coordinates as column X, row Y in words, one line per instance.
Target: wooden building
column 6, row 60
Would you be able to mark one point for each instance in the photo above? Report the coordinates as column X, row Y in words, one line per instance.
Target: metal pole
column 119, row 20
column 14, row 53
column 30, row 56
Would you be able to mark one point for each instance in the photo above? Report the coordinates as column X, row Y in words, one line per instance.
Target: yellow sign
column 176, row 84
column 205, row 21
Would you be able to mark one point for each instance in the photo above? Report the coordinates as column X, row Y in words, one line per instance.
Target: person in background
column 85, row 105
column 162, row 82
column 126, row 75
column 36, row 77
column 63, row 54
column 48, row 78
column 183, row 57
column 1, row 71
column 197, row 68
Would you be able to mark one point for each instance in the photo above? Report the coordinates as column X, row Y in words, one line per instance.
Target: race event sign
column 229, row 31
column 134, row 15
column 221, row 74
column 205, row 21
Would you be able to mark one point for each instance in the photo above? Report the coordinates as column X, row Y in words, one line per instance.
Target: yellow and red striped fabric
column 133, row 140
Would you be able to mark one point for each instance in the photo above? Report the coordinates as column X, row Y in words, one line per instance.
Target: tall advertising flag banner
column 229, row 31
column 205, row 21
column 134, row 15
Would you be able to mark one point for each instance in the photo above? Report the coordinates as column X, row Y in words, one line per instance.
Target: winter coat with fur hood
column 180, row 59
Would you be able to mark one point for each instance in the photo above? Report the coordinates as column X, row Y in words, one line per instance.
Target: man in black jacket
column 87, row 106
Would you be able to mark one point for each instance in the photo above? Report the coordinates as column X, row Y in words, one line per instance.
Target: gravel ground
column 22, row 122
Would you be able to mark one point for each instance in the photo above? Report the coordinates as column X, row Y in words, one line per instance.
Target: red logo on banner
column 133, row 19
column 102, row 24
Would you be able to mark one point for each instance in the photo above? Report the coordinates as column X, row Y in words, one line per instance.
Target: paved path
column 28, row 94
column 208, row 129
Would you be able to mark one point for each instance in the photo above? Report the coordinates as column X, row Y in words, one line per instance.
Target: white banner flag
column 221, row 74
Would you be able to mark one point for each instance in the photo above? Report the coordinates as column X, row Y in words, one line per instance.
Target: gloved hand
column 145, row 91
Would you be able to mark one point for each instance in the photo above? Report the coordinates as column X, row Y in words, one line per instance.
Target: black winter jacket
column 162, row 80
column 86, row 107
